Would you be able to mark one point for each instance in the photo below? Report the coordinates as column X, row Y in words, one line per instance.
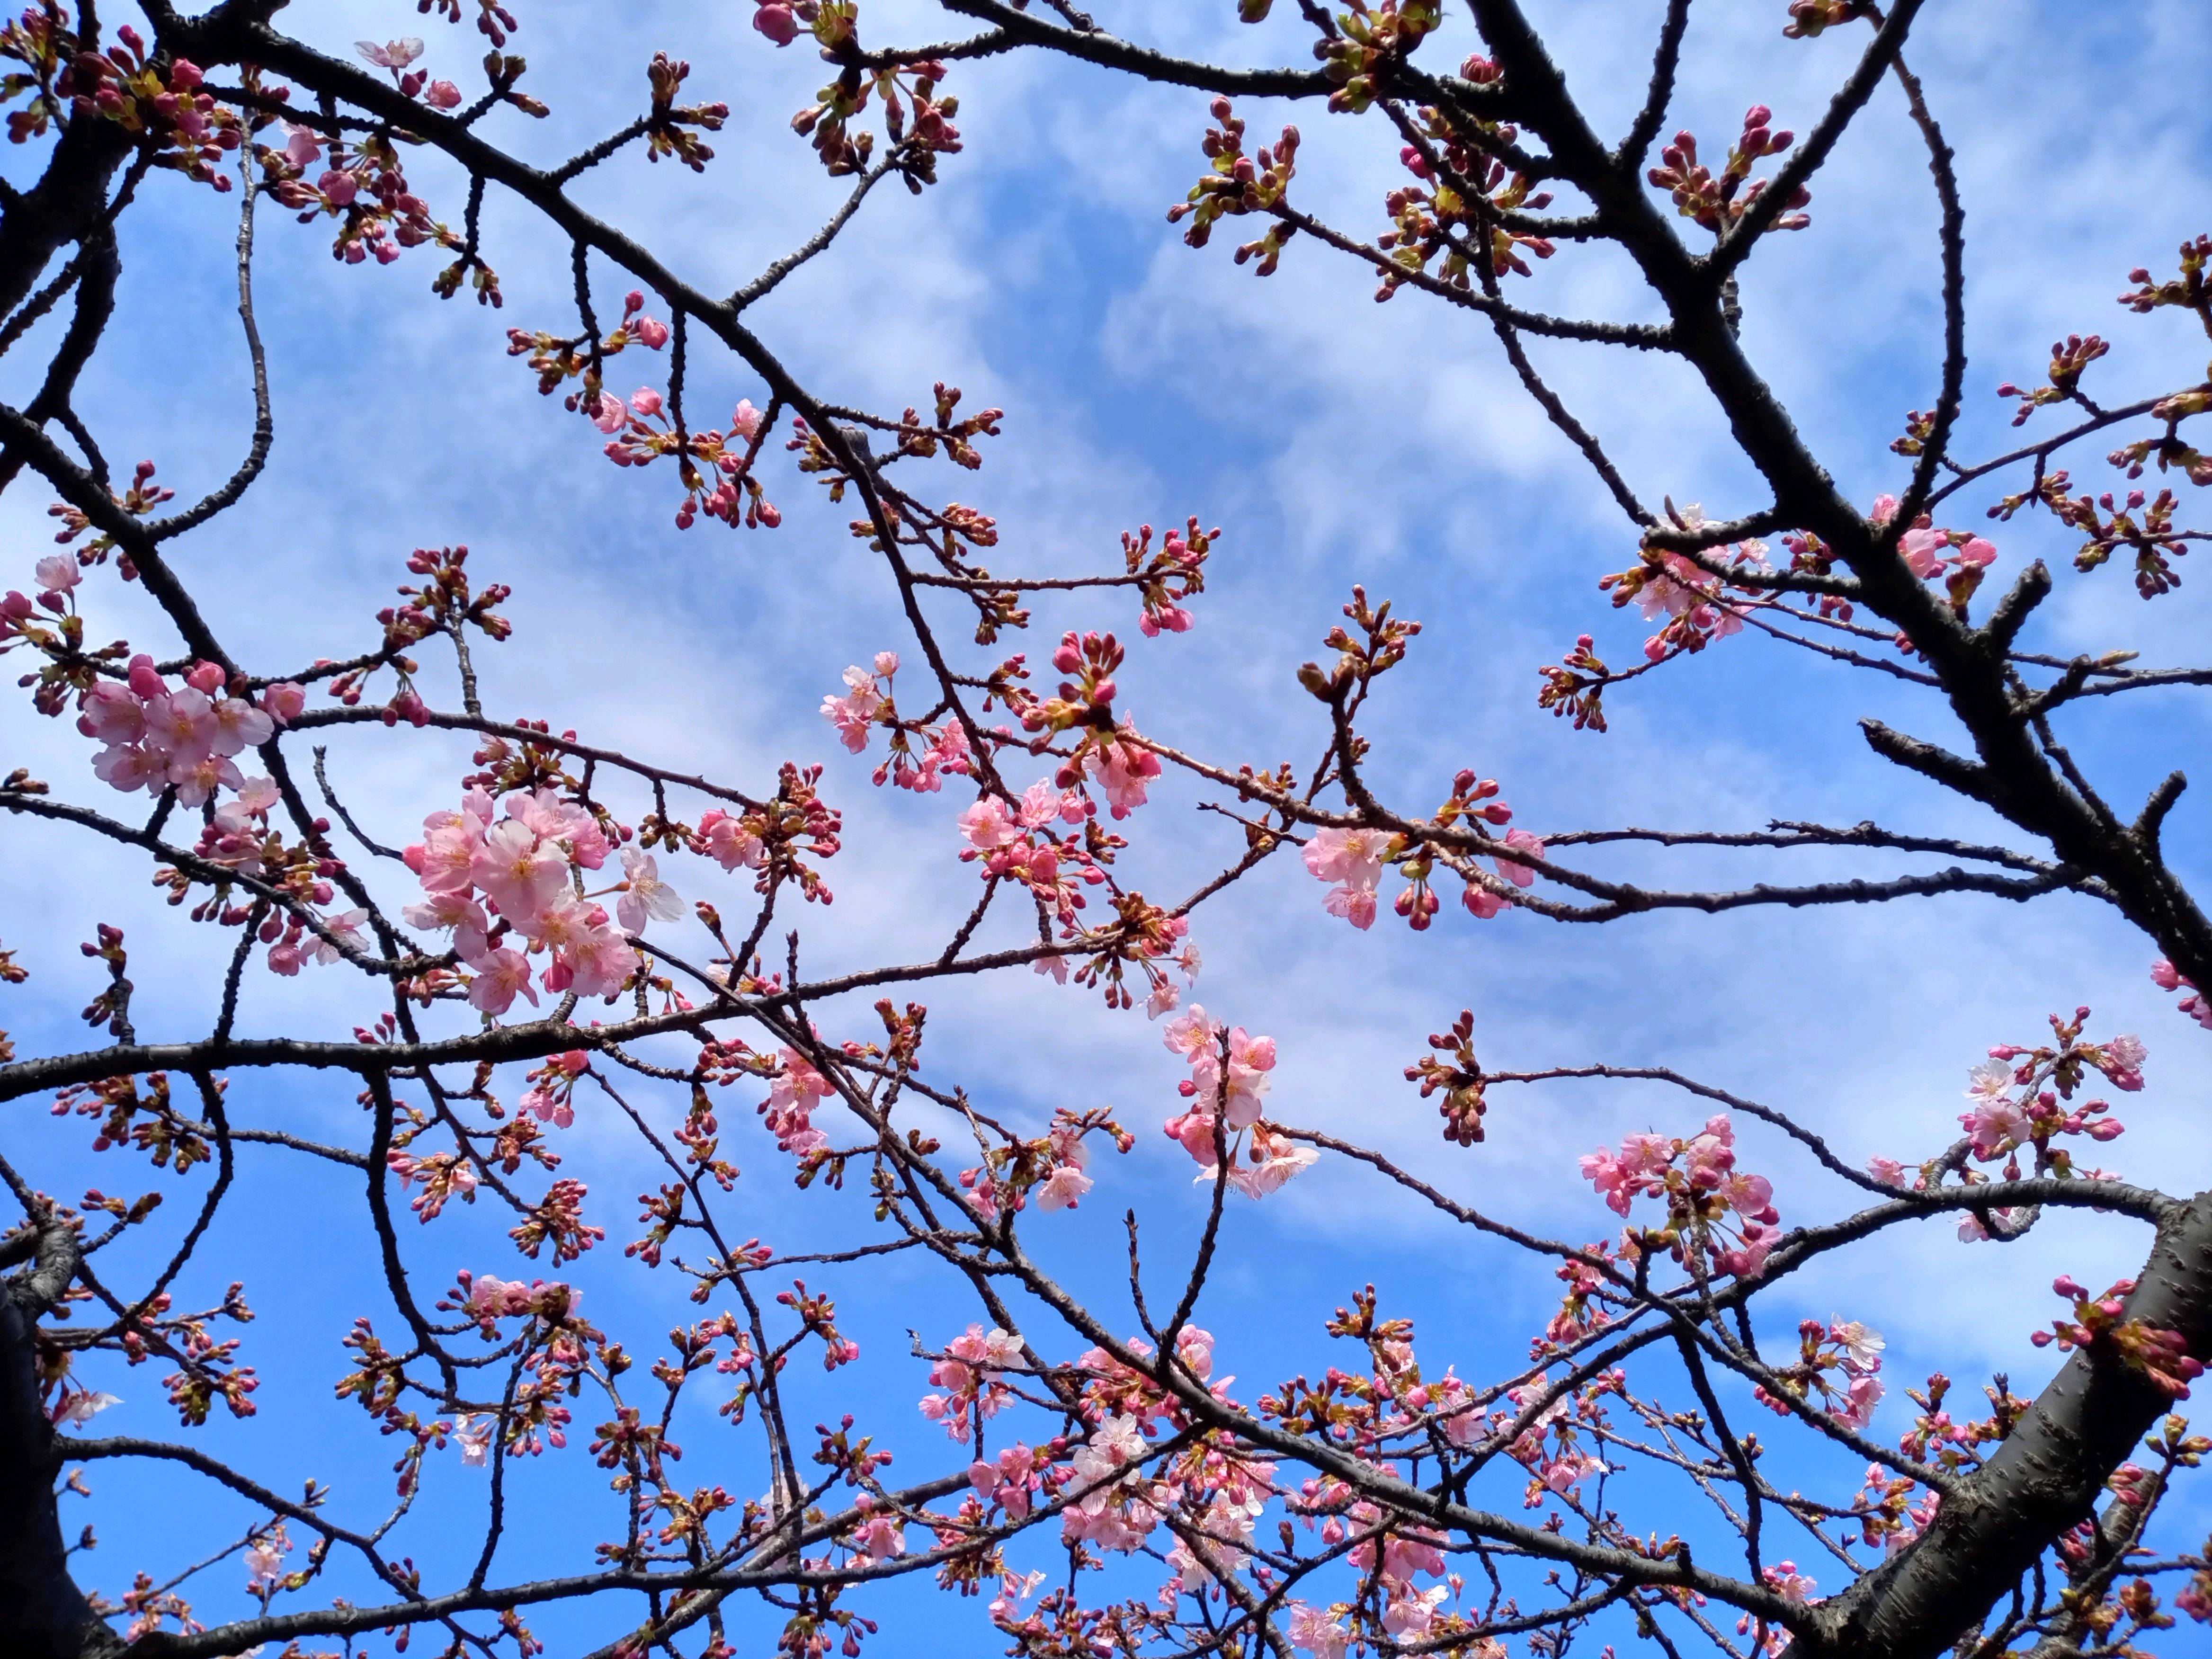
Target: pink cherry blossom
column 1124, row 772
column 988, row 825
column 1923, row 550
column 1312, row 1629
column 196, row 778
column 284, row 701
column 854, row 714
column 240, row 725
column 58, row 573
column 128, row 766
column 442, row 95
column 728, row 843
column 392, row 54
column 1521, row 841
column 518, row 872
column 648, row 895
column 1062, row 1188
column 501, row 976
column 114, row 714
column 745, row 420
column 180, row 724
column 1350, row 856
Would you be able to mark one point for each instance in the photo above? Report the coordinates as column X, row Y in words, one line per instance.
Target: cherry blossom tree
column 580, row 929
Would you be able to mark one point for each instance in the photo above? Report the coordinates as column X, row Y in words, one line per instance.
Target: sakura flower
column 1313, row 1631
column 1923, row 549
column 1355, row 904
column 82, row 1407
column 1482, row 901
column 58, row 573
column 2124, row 1060
column 728, row 843
column 1996, row 1126
column 1521, row 841
column 988, row 825
column 1012, row 1592
column 855, row 713
column 442, row 95
column 240, row 725
column 345, row 929
column 1062, row 1188
column 473, row 1436
column 745, row 420
column 453, row 912
column 1795, row 1587
column 1274, row 1161
column 1124, row 771
column 648, row 895
column 264, row 1559
column 518, row 872
column 392, row 54
column 180, row 724
column 303, row 146
column 1409, row 1612
column 1190, row 1033
column 1861, row 1397
column 1990, row 1080
column 645, row 401
column 284, row 700
column 1250, row 1059
column 501, row 976
column 112, row 714
column 879, row 1539
column 597, row 963
column 1353, row 857
column 197, row 778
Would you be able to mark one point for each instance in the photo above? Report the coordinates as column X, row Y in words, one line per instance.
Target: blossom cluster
column 1712, row 1206
column 2159, row 1354
column 1847, row 1349
column 157, row 737
column 1352, row 861
column 867, row 703
column 2195, row 1004
column 1228, row 1080
column 488, row 878
column 2022, row 1101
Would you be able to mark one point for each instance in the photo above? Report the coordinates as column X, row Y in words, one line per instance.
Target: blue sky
column 1334, row 441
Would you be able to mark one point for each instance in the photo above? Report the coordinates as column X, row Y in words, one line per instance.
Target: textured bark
column 43, row 1614
column 65, row 206
column 2046, row 1478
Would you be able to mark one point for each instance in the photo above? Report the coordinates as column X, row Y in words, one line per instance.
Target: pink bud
column 776, row 22
column 442, row 95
